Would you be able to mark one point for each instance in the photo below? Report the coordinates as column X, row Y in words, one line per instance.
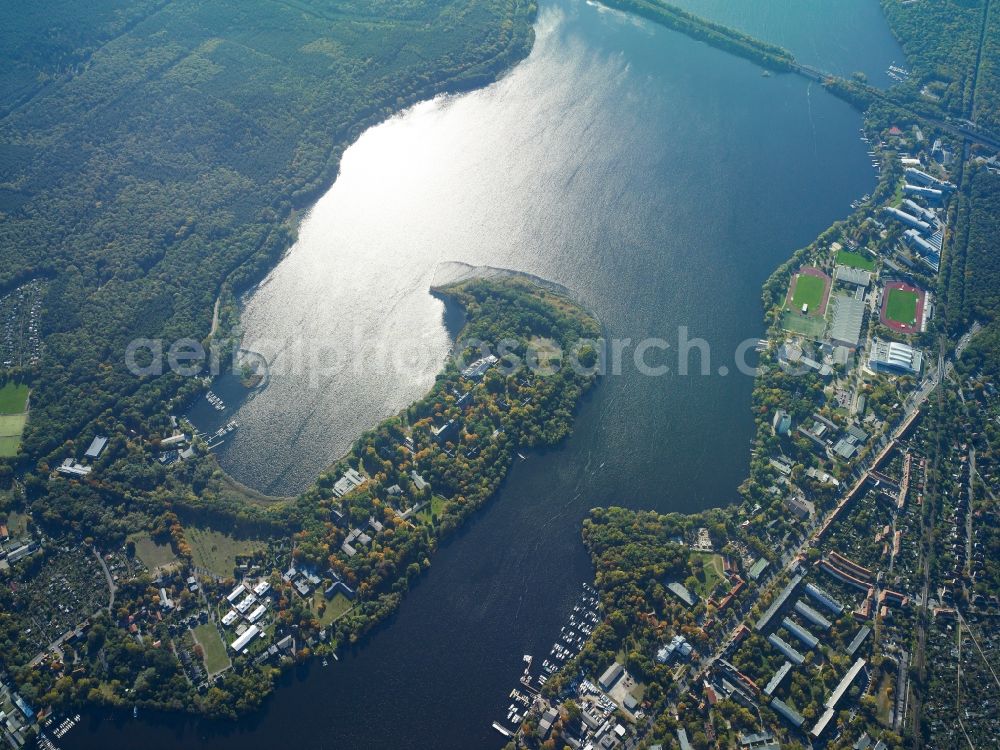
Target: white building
column 894, row 357
column 241, row 643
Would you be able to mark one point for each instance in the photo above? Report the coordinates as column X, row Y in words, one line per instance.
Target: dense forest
column 941, row 40
column 163, row 156
column 974, row 292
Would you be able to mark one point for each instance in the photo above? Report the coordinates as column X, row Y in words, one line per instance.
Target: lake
column 659, row 179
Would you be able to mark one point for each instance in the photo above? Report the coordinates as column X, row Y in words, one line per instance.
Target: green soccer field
column 13, row 398
column 855, row 260
column 215, row 655
column 808, row 291
column 902, row 306
column 11, row 427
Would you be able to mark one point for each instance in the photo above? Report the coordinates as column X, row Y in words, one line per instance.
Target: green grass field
column 708, row 571
column 902, row 306
column 17, row 523
column 11, row 427
column 13, row 418
column 152, row 554
column 13, row 398
column 855, row 260
column 434, row 509
column 335, row 607
column 808, row 291
column 216, row 551
column 806, row 325
column 216, row 657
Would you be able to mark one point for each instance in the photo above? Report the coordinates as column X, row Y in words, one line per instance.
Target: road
column 958, row 129
column 107, row 577
column 910, row 408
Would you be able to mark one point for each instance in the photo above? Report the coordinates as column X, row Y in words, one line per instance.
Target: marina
column 57, row 730
column 216, row 401
column 580, row 623
column 897, row 73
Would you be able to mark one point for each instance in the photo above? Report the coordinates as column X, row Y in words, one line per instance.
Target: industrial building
column 611, row 676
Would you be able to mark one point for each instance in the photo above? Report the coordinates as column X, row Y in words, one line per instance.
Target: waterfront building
column 611, row 676
column 782, row 422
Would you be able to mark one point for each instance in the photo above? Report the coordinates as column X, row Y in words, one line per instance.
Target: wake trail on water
column 812, row 122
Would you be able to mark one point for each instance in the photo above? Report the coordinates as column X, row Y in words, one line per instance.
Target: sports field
column 804, row 325
column 808, row 291
column 215, row 655
column 810, row 286
column 13, row 398
column 901, row 307
column 855, row 260
column 13, row 417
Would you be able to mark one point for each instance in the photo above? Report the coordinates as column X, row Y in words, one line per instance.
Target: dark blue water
column 660, row 179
